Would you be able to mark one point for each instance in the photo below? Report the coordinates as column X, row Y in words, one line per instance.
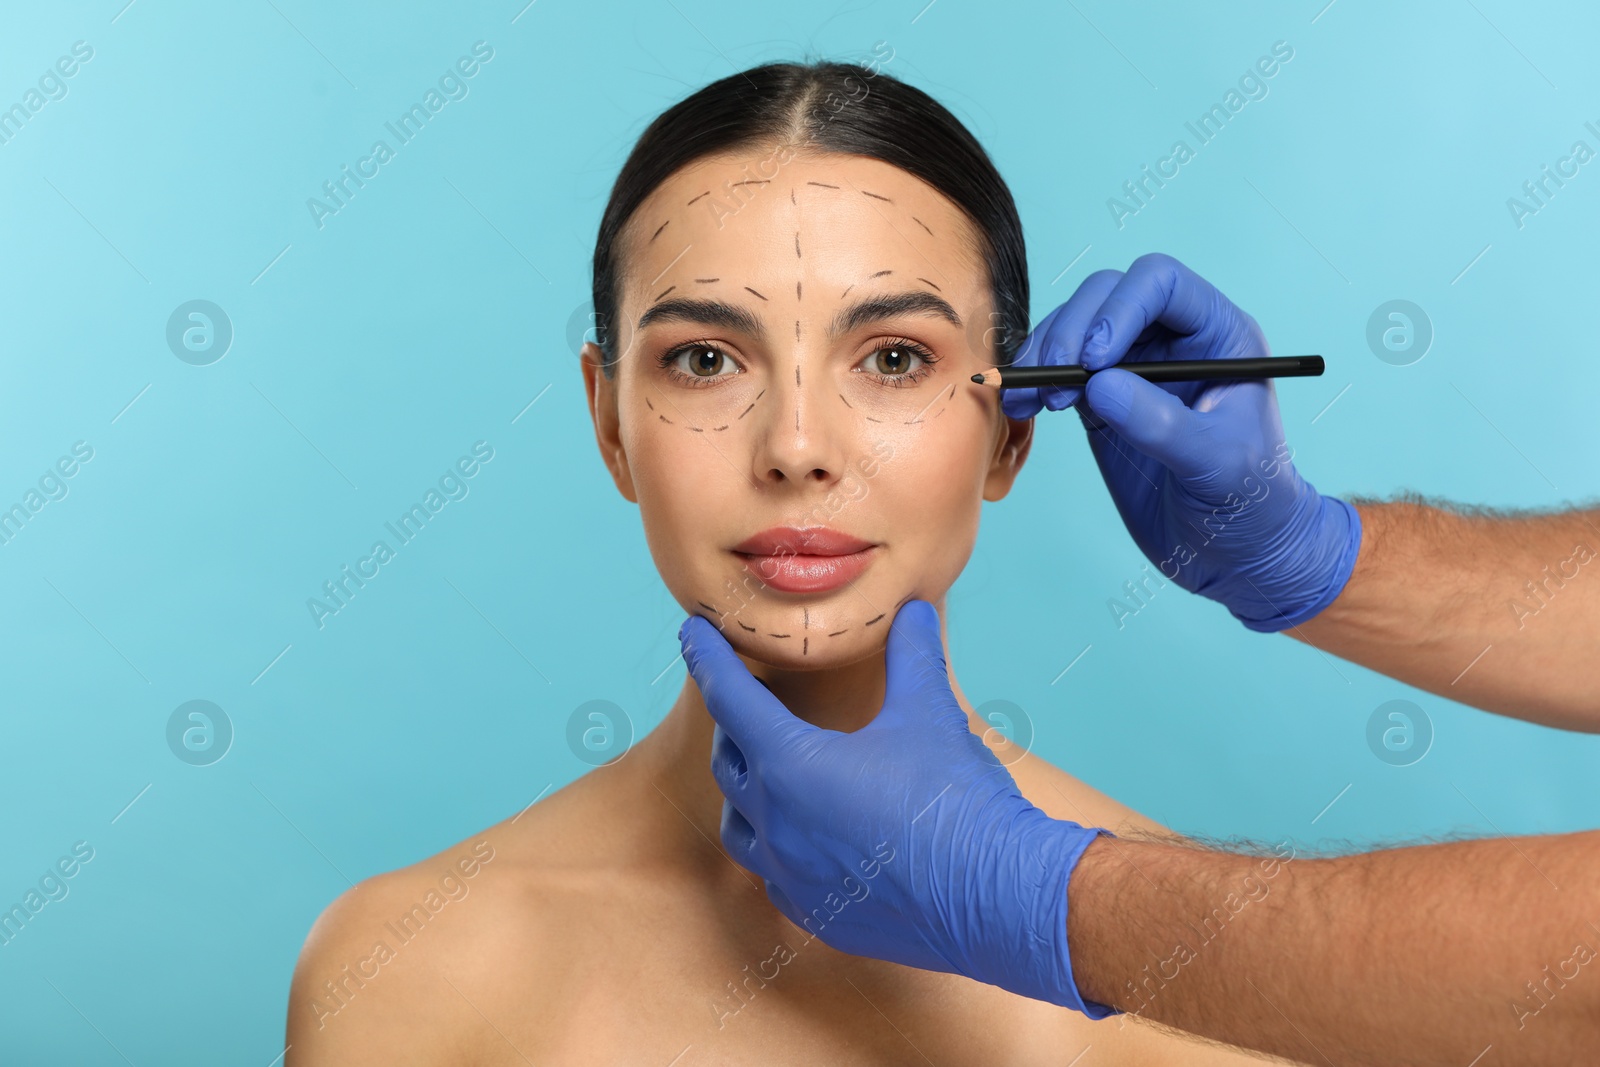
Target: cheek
column 930, row 488
column 693, row 504
column 931, row 494
column 681, row 485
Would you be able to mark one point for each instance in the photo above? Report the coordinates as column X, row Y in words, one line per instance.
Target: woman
column 798, row 271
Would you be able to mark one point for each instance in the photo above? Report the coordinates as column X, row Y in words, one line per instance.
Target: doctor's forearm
column 1415, row 955
column 1499, row 613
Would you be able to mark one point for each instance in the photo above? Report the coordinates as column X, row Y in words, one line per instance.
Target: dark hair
column 826, row 106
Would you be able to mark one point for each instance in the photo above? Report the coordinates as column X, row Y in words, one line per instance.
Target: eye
column 698, row 363
column 899, row 361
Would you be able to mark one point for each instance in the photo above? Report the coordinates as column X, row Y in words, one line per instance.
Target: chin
column 805, row 654
column 814, row 632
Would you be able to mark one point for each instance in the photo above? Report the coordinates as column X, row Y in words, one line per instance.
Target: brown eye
column 892, row 360
column 899, row 362
column 699, row 363
column 704, row 362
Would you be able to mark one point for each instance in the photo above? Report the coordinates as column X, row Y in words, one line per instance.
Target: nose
column 806, row 430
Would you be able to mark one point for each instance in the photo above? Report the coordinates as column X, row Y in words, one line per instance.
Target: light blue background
column 370, row 354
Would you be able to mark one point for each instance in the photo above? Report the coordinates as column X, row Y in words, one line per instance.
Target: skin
column 1450, row 954
column 1495, row 611
column 1492, row 610
column 613, row 898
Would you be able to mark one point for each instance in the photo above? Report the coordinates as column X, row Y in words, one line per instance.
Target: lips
column 812, row 560
column 811, row 541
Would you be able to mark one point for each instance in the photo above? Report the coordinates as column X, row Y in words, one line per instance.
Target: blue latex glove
column 1199, row 471
column 906, row 840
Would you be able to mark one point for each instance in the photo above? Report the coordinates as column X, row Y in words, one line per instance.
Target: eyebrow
column 708, row 312
column 733, row 317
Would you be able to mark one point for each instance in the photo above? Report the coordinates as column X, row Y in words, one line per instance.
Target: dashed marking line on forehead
column 706, row 281
column 663, row 271
column 758, row 295
column 847, row 291
column 664, row 292
column 924, row 225
column 926, row 282
column 702, row 196
column 797, row 290
column 797, row 246
column 752, row 181
column 663, row 226
column 896, row 229
column 880, row 274
column 823, row 185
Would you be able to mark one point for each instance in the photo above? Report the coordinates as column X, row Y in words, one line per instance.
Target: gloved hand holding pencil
column 1199, row 470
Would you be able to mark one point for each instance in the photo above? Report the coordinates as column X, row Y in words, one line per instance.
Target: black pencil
column 1171, row 370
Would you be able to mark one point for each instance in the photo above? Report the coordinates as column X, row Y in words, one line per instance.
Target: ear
column 602, row 393
column 1013, row 440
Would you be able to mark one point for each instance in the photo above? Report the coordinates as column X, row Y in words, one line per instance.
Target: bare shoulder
column 433, row 963
column 1064, row 796
column 381, row 978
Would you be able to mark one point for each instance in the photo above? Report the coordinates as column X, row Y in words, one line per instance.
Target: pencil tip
column 978, row 378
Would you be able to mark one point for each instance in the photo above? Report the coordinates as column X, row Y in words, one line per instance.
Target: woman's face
column 795, row 339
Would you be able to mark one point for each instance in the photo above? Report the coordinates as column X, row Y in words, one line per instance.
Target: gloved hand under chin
column 906, row 840
column 1199, row 471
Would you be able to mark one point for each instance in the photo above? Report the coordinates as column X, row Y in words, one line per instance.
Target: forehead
column 770, row 211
